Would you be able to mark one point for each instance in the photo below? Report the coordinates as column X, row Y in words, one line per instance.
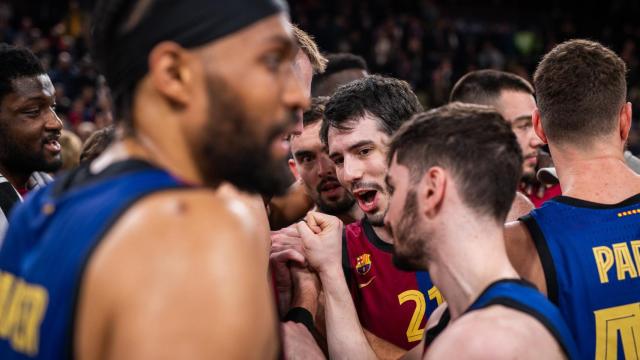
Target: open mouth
column 52, row 145
column 367, row 200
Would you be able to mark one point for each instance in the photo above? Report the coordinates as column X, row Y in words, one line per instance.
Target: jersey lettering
column 22, row 307
column 618, row 321
column 620, row 255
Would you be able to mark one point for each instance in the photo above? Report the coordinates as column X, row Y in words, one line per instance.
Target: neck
column 17, row 179
column 600, row 175
column 145, row 148
column 352, row 215
column 466, row 260
column 383, row 234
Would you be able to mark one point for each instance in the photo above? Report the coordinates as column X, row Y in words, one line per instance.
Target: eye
column 33, row 112
column 364, row 151
column 306, row 159
column 338, row 160
column 273, row 60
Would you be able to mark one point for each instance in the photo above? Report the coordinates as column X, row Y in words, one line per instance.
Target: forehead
column 304, row 71
column 514, row 104
column 33, row 86
column 309, row 139
column 364, row 128
column 274, row 29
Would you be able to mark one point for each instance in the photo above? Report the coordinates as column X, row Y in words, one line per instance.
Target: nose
column 53, row 122
column 352, row 170
column 534, row 140
column 325, row 166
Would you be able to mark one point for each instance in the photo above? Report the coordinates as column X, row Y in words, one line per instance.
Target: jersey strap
column 522, row 296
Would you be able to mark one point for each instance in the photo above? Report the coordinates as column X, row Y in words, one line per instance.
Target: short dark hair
column 475, row 143
column 336, row 63
column 581, row 87
column 390, row 101
column 484, row 86
column 16, row 62
column 315, row 111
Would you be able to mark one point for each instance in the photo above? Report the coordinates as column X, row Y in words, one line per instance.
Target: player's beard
column 230, row 149
column 409, row 249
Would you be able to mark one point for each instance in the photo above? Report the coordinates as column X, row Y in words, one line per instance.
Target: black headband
column 190, row 23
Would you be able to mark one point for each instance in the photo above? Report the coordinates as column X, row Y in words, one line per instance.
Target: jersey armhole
column 346, row 268
column 546, row 259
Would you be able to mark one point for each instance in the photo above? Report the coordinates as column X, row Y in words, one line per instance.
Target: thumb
column 323, row 221
column 305, row 231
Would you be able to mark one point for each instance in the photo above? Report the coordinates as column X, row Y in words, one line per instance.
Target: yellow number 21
column 414, row 332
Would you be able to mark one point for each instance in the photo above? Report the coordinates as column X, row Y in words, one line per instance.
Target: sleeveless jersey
column 590, row 254
column 392, row 304
column 520, row 295
column 47, row 247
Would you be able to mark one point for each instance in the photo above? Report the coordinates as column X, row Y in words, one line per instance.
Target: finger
column 297, row 247
column 323, row 221
column 290, row 231
column 288, row 255
column 311, row 221
column 305, row 231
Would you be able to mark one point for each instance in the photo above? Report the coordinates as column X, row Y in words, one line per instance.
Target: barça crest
column 363, row 264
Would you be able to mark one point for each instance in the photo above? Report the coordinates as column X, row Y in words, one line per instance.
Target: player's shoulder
column 182, row 222
column 496, row 332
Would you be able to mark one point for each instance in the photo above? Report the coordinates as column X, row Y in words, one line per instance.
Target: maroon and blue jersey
column 590, row 254
column 392, row 304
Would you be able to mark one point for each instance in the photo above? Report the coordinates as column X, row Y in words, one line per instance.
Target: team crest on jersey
column 363, row 264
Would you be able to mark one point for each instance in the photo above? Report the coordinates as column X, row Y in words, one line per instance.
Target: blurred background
column 428, row 43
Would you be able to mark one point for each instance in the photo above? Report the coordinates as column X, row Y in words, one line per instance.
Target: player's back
column 51, row 237
column 590, row 254
column 393, row 304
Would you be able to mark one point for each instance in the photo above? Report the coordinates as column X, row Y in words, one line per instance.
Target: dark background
column 429, row 43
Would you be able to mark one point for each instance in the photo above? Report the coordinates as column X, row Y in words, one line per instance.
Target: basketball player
column 437, row 184
column 135, row 255
column 586, row 252
column 513, row 97
column 29, row 128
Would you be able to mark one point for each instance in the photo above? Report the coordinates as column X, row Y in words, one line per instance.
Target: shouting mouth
column 367, row 199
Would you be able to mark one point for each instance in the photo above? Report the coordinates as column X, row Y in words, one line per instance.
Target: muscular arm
column 175, row 279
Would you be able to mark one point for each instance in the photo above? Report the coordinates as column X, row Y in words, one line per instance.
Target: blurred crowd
column 428, row 43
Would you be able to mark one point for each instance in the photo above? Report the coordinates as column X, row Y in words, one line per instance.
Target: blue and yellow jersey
column 49, row 242
column 522, row 296
column 590, row 254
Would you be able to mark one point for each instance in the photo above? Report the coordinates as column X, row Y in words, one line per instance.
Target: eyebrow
column 285, row 41
column 301, row 153
column 522, row 117
column 353, row 147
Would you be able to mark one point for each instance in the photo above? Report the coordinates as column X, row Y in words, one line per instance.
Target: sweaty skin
column 152, row 288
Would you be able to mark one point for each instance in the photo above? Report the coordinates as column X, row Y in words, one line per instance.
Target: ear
column 625, row 121
column 537, row 125
column 432, row 190
column 294, row 169
column 169, row 71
